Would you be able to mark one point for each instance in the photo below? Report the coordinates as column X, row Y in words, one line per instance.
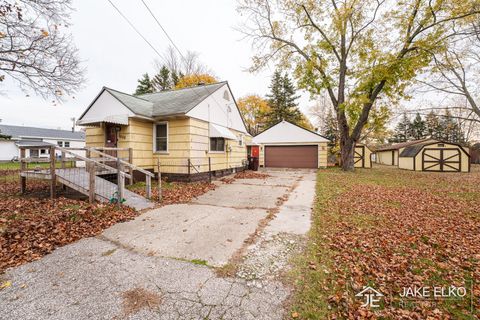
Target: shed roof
column 32, row 143
column 17, row 132
column 401, row 145
column 412, row 151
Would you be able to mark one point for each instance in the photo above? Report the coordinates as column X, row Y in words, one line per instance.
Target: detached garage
column 286, row 145
column 435, row 157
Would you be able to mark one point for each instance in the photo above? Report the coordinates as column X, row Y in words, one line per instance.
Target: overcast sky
column 115, row 56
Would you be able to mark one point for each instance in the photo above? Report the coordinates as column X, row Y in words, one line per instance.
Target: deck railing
column 95, row 162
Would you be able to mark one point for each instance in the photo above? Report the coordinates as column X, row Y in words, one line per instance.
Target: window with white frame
column 161, row 137
column 240, row 140
column 67, row 144
column 60, row 143
column 217, row 144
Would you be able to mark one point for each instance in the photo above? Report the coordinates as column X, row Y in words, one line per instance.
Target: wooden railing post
column 149, row 186
column 53, row 181
column 23, row 168
column 91, row 181
column 159, row 181
column 209, row 169
column 130, row 160
column 120, row 182
column 63, row 159
column 189, row 164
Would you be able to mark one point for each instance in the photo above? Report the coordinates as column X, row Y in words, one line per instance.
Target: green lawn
column 390, row 229
column 16, row 165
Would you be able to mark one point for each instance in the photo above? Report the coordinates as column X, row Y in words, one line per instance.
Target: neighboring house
column 437, row 156
column 286, row 145
column 38, row 139
column 186, row 132
column 388, row 154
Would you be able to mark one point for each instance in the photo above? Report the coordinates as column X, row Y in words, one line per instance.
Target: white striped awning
column 217, row 131
column 115, row 119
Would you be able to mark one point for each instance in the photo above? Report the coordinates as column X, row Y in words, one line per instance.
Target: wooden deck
column 78, row 179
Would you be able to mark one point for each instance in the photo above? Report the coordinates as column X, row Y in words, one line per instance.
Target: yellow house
column 437, row 156
column 187, row 133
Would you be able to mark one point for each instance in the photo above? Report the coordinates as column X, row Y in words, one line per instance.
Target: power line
column 180, row 53
column 134, row 28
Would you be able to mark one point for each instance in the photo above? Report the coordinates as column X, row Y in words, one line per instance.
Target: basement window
column 217, row 144
column 161, row 137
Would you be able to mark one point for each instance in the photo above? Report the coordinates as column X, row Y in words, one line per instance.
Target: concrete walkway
column 163, row 252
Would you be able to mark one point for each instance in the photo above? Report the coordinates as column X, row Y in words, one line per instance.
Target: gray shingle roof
column 29, row 143
column 17, row 132
column 166, row 102
column 412, row 151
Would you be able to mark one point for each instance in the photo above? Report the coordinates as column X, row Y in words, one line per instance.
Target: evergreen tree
column 144, row 85
column 162, row 81
column 433, row 126
column 282, row 101
column 402, row 131
column 418, row 128
column 329, row 128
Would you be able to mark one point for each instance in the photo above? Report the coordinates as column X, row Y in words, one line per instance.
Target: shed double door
column 291, row 156
column 441, row 159
column 359, row 157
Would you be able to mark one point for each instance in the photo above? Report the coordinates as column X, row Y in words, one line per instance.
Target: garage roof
column 286, row 132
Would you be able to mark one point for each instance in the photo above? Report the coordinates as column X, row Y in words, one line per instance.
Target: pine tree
column 144, row 85
column 282, row 101
column 418, row 128
column 329, row 128
column 433, row 126
column 402, row 130
column 162, row 81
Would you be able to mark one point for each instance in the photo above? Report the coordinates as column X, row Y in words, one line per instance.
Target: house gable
column 106, row 108
column 220, row 108
column 286, row 132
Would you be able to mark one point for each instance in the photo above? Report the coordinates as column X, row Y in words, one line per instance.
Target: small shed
column 435, row 156
column 388, row 154
column 286, row 145
column 363, row 156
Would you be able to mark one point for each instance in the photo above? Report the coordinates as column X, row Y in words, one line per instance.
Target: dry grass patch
column 137, row 299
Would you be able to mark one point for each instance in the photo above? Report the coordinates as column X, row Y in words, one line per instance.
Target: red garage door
column 291, row 156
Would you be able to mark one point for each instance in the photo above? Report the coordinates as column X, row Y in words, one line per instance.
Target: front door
column 359, row 157
column 111, row 141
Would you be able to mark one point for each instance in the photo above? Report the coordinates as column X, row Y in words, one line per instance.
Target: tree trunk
column 347, row 150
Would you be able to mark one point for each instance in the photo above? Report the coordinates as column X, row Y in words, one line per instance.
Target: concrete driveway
column 160, row 252
column 211, row 228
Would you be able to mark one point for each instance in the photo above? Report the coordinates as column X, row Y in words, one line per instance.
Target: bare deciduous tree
column 34, row 49
column 187, row 65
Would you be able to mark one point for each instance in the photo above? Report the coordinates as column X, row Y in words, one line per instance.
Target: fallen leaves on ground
column 392, row 229
column 32, row 227
column 248, row 174
column 175, row 192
